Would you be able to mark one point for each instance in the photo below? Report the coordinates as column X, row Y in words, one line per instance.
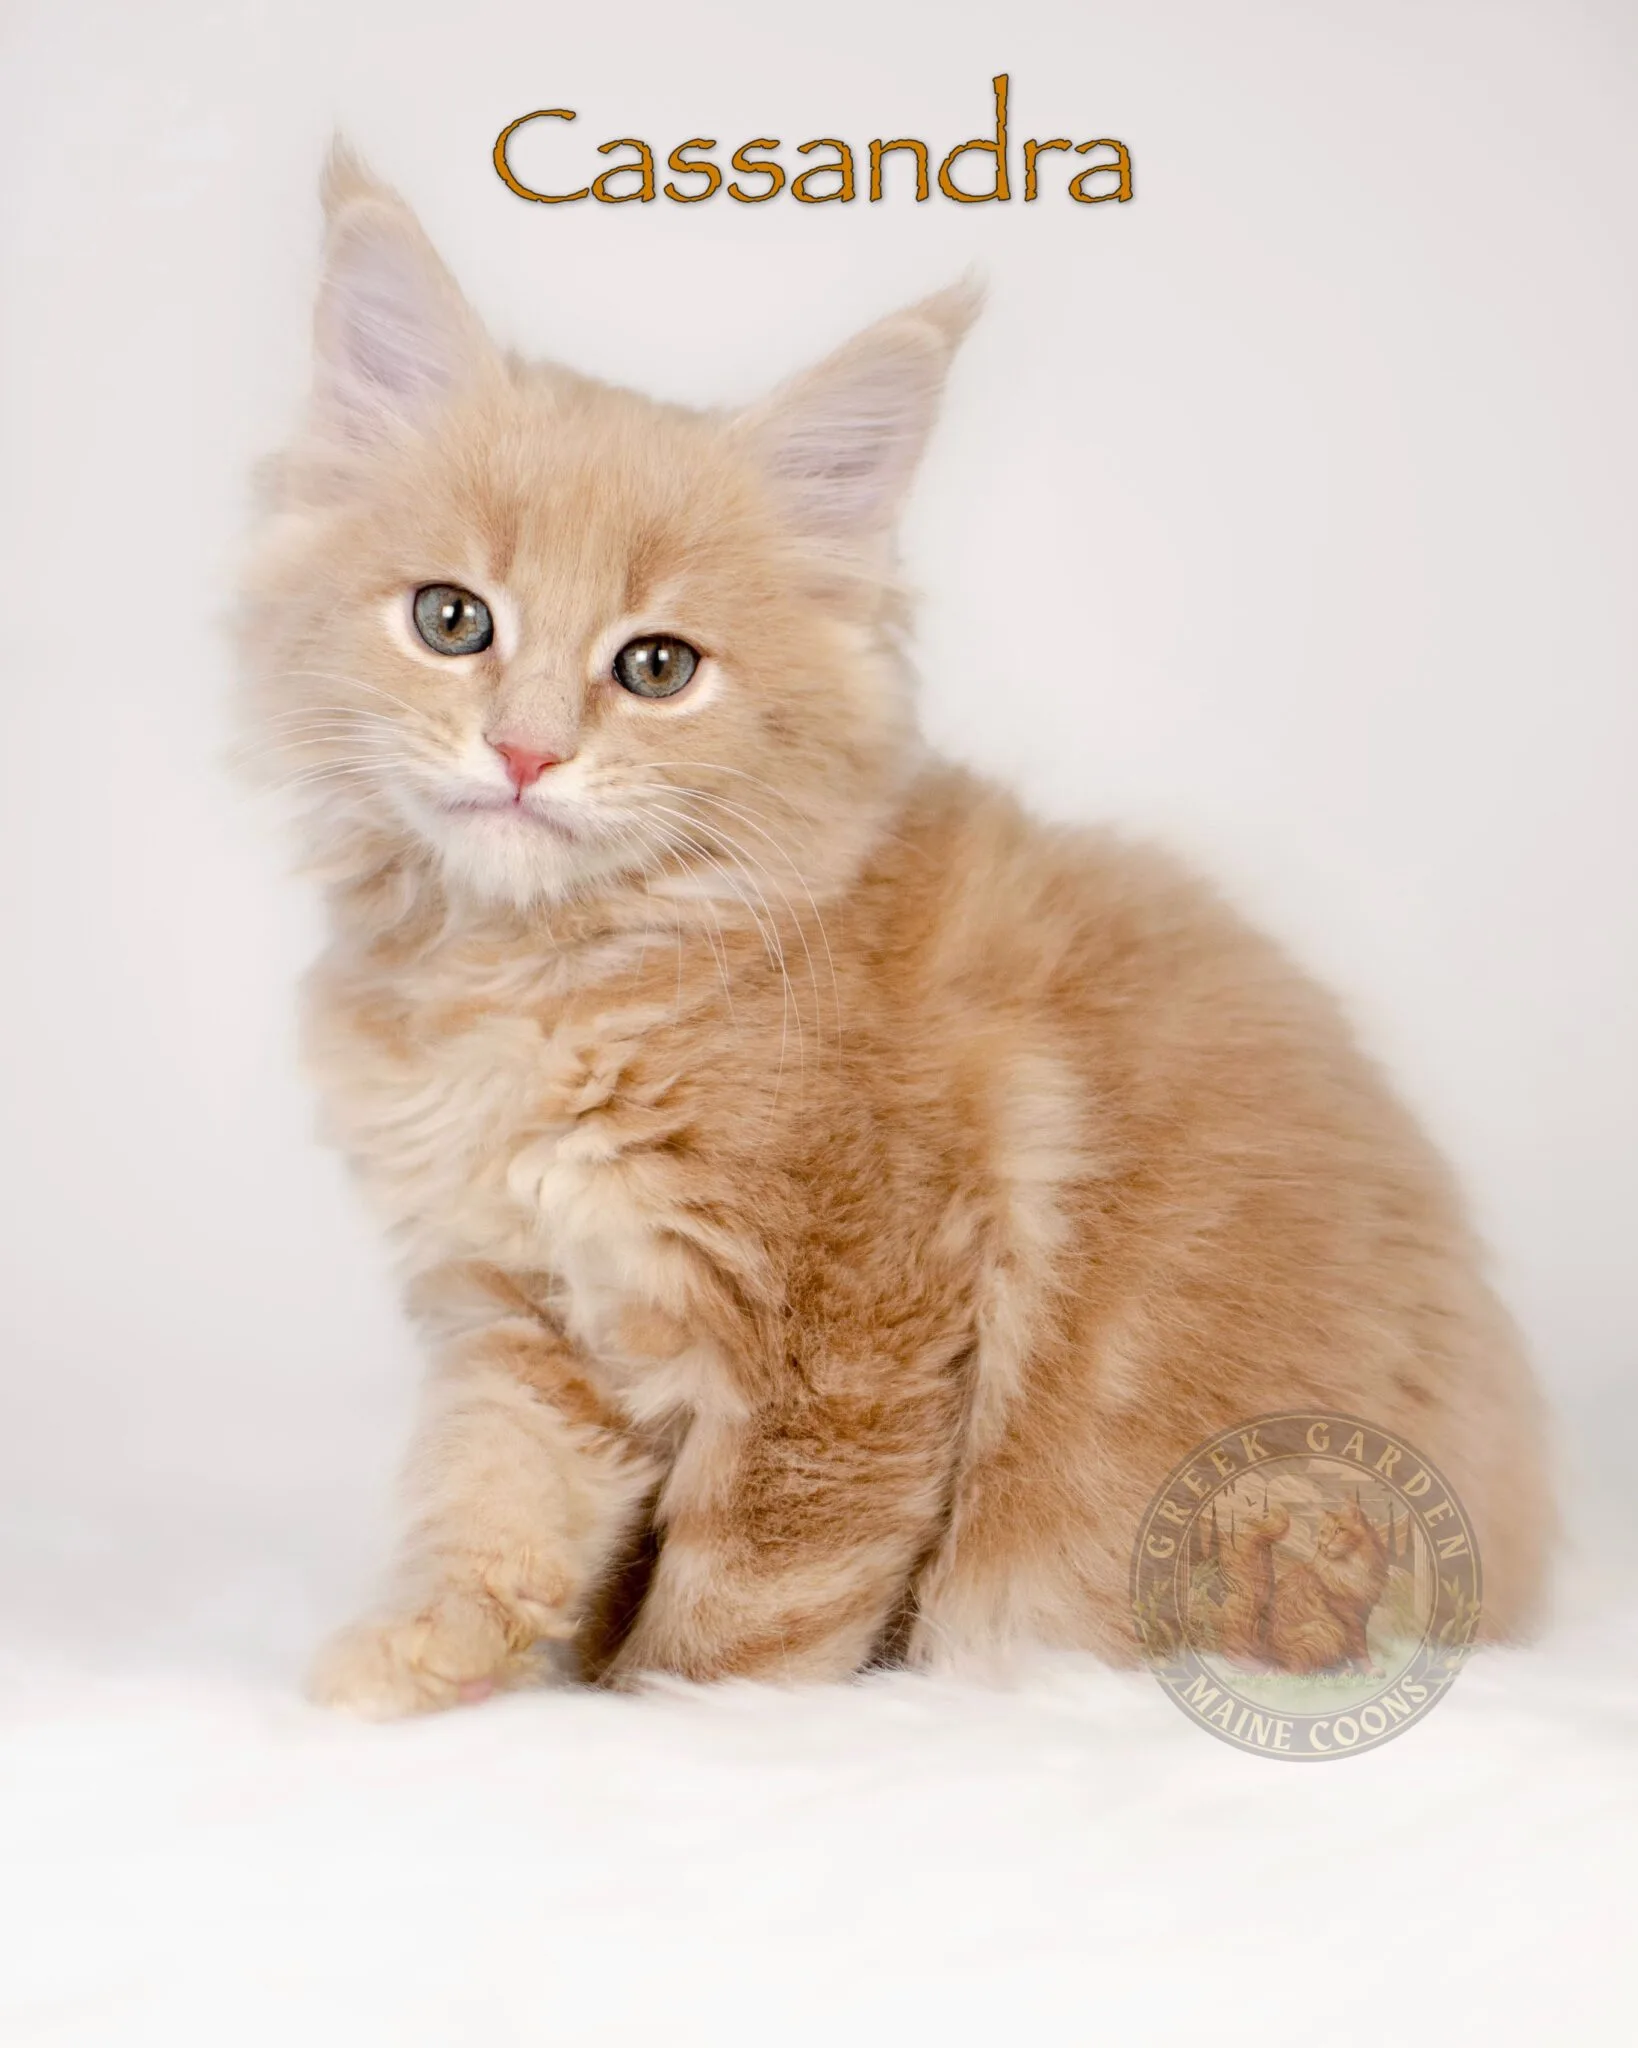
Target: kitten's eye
column 657, row 666
column 451, row 620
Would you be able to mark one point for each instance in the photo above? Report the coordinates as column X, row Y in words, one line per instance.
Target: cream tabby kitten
column 832, row 1200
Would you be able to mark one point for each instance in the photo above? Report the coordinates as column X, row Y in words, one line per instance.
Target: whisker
column 785, row 800
column 701, row 846
column 787, row 988
column 718, row 945
column 722, row 768
column 311, row 740
column 747, row 860
column 335, row 675
column 321, row 708
column 748, row 819
column 325, row 778
column 357, row 722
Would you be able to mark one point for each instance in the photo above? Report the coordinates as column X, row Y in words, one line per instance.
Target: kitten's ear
column 393, row 337
column 840, row 442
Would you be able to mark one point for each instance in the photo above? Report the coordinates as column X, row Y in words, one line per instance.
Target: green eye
column 657, row 666
column 451, row 620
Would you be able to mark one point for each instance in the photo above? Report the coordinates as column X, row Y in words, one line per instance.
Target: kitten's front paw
column 458, row 1648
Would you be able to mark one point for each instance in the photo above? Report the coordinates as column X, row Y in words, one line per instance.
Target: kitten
column 832, row 1200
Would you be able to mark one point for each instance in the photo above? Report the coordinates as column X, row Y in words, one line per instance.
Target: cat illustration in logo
column 1319, row 1609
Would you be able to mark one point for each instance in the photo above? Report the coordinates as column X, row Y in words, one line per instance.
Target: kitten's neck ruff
column 389, row 898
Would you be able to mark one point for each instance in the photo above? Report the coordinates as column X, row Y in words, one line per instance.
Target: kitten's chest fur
column 491, row 1108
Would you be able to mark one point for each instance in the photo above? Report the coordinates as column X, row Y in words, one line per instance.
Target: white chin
column 511, row 859
column 516, row 859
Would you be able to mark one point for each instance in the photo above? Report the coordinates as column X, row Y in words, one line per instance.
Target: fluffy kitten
column 833, row 1200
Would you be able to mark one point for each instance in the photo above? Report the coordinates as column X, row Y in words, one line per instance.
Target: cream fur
column 792, row 1148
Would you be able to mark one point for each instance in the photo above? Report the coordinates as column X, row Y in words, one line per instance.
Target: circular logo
column 1306, row 1586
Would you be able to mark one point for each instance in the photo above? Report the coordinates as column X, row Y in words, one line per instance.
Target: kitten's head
column 552, row 633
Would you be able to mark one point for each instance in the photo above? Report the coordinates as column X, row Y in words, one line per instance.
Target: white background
column 1287, row 512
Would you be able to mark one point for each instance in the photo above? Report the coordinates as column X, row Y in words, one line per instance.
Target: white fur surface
column 194, row 1855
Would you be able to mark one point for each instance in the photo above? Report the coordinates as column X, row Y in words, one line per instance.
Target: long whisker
column 335, row 675
column 356, row 757
column 787, row 988
column 648, row 866
column 719, row 944
column 698, row 844
column 319, row 739
column 746, row 859
column 719, row 950
column 336, row 773
column 748, row 819
column 313, row 726
column 329, row 721
column 784, row 799
column 322, row 708
column 780, row 796
column 686, row 843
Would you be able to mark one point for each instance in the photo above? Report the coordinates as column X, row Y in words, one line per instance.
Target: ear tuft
column 953, row 310
column 839, row 444
column 347, row 177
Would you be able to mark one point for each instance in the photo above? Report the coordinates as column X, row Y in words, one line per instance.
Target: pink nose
column 525, row 765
